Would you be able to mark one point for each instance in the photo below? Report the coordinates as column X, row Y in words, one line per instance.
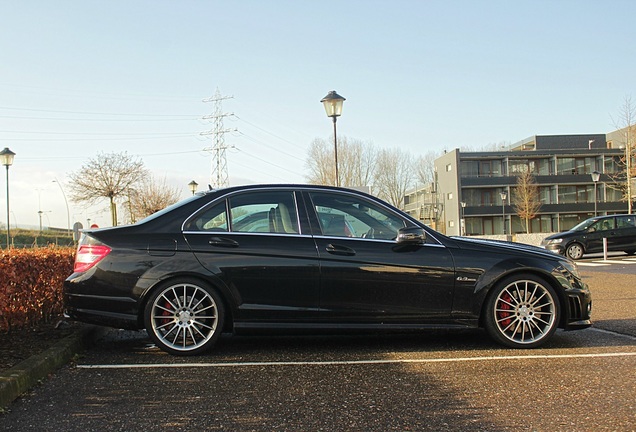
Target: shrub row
column 31, row 282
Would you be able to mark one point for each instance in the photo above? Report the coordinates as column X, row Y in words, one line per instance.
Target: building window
column 449, row 168
column 470, row 169
column 569, row 165
column 544, row 194
column 449, row 196
column 576, row 194
column 612, row 164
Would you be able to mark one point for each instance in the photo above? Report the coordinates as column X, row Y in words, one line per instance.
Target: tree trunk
column 113, row 211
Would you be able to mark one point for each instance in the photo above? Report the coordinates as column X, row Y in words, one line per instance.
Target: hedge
column 31, row 282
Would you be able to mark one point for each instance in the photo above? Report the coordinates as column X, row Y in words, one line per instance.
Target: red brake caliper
column 166, row 314
column 504, row 304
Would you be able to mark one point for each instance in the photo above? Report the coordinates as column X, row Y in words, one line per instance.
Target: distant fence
column 531, row 239
column 21, row 238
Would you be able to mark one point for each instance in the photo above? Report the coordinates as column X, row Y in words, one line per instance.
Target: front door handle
column 223, row 242
column 340, row 250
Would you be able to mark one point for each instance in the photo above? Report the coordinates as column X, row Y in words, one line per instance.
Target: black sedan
column 313, row 258
column 612, row 233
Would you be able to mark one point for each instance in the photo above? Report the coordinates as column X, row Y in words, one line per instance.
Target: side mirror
column 411, row 236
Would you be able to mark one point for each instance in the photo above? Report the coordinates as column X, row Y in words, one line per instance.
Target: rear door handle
column 340, row 250
column 223, row 242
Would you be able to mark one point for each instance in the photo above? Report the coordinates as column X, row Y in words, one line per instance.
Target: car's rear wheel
column 574, row 251
column 184, row 317
column 522, row 312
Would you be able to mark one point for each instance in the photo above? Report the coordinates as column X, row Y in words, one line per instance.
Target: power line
column 97, row 113
column 271, row 147
column 99, row 120
column 269, row 163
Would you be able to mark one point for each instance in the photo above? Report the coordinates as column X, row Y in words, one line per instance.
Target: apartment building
column 472, row 192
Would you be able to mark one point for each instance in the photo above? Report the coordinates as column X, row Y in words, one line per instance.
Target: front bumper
column 556, row 248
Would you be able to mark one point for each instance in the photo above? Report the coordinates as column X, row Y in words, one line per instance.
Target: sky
column 80, row 78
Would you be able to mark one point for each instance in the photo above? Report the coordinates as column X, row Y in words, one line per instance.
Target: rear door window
column 255, row 212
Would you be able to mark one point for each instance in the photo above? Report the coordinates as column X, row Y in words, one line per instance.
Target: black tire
column 522, row 311
column 575, row 251
column 184, row 317
column 630, row 252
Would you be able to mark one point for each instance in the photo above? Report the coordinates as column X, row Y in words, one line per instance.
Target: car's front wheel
column 184, row 317
column 574, row 251
column 522, row 312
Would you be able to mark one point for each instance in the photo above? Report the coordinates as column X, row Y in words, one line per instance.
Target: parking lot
column 581, row 380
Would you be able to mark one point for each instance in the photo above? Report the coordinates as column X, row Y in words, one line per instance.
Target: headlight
column 572, row 268
column 555, row 241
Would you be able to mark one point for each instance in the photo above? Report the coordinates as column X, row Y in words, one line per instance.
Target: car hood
column 564, row 234
column 505, row 246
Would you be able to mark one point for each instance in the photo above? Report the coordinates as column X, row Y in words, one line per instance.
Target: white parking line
column 615, row 262
column 354, row 362
column 589, row 264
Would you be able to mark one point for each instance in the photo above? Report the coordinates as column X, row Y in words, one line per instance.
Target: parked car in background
column 587, row 237
column 271, row 258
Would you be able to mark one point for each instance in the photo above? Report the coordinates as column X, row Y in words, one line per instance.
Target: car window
column 605, row 224
column 273, row 212
column 345, row 216
column 212, row 219
column 625, row 221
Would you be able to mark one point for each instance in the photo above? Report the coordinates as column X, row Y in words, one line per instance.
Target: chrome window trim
column 239, row 233
column 302, row 188
column 372, row 240
column 228, row 214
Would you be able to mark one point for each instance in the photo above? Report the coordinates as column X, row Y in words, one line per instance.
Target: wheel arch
column 229, row 301
column 543, row 274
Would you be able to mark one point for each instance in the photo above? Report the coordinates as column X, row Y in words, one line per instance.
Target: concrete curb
column 23, row 376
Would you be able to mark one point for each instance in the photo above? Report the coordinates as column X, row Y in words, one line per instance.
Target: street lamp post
column 333, row 107
column 193, row 186
column 6, row 158
column 463, row 221
column 68, row 211
column 503, row 195
column 595, row 178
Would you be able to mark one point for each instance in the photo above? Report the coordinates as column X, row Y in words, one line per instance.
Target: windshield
column 583, row 226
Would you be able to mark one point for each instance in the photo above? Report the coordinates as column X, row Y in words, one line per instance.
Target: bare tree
column 626, row 125
column 426, row 167
column 150, row 196
column 356, row 162
column 525, row 198
column 108, row 176
column 394, row 175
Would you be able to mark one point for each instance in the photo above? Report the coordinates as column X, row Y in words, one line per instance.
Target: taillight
column 89, row 255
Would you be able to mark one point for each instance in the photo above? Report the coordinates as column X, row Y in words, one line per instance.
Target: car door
column 593, row 238
column 365, row 275
column 626, row 233
column 254, row 242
